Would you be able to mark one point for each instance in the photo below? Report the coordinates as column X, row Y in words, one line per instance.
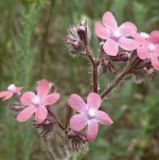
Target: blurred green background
column 32, row 48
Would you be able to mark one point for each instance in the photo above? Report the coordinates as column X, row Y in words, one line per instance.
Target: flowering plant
column 139, row 53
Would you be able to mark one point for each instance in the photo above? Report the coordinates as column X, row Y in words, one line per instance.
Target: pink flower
column 11, row 90
column 149, row 47
column 116, row 36
column 37, row 103
column 88, row 114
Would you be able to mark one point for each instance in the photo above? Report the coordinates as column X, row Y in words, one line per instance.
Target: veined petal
column 27, row 98
column 52, row 98
column 77, row 103
column 103, row 118
column 26, row 113
column 43, row 87
column 109, row 20
column 128, row 29
column 41, row 114
column 94, row 100
column 78, row 122
column 92, row 129
column 128, row 44
column 111, row 47
column 101, row 31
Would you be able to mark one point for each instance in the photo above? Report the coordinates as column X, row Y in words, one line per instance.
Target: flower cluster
column 125, row 37
column 38, row 104
column 140, row 52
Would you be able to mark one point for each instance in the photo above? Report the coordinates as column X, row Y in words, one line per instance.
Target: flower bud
column 78, row 37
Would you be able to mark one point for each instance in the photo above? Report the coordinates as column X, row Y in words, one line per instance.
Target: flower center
column 117, row 34
column 91, row 112
column 151, row 47
column 11, row 87
column 36, row 101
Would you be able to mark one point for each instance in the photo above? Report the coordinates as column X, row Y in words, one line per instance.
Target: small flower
column 149, row 47
column 88, row 114
column 37, row 103
column 116, row 36
column 11, row 90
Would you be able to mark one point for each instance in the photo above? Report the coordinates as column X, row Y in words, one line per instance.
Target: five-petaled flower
column 11, row 90
column 116, row 36
column 37, row 103
column 88, row 114
column 149, row 47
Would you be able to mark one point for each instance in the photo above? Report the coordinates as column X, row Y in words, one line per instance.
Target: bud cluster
column 78, row 38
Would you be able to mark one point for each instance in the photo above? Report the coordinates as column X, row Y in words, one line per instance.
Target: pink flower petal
column 92, row 129
column 111, row 47
column 52, row 98
column 27, row 98
column 43, row 88
column 78, row 122
column 94, row 100
column 101, row 31
column 8, row 96
column 4, row 94
column 77, row 103
column 155, row 62
column 128, row 29
column 154, row 37
column 142, row 52
column 109, row 20
column 104, row 118
column 128, row 44
column 26, row 113
column 41, row 114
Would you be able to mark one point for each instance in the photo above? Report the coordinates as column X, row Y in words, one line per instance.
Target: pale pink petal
column 154, row 37
column 4, row 94
column 128, row 44
column 78, row 122
column 43, row 87
column 103, row 118
column 52, row 98
column 94, row 100
column 26, row 113
column 27, row 98
column 77, row 103
column 111, row 47
column 8, row 96
column 109, row 20
column 92, row 129
column 155, row 62
column 101, row 31
column 128, row 29
column 41, row 114
column 142, row 52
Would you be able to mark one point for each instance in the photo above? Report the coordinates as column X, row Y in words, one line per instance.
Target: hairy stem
column 57, row 121
column 94, row 68
column 116, row 82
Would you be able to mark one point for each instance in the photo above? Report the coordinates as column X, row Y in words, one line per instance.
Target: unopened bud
column 78, row 37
